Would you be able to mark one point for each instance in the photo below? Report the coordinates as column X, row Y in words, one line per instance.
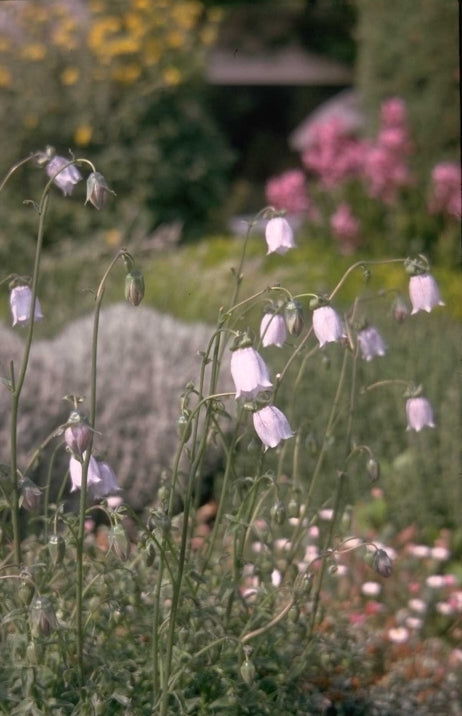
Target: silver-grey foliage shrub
column 145, row 360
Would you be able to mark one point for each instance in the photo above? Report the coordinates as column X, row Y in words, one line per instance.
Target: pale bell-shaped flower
column 424, row 293
column 371, row 343
column 327, row 325
column 279, row 235
column 75, row 470
column 108, row 485
column 134, row 287
column 249, row 372
column 271, row 426
column 20, row 303
column 64, row 178
column 30, row 494
column 273, row 331
column 293, row 314
column 419, row 413
column 97, row 190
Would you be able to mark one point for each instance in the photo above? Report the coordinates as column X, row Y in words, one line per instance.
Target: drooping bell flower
column 273, row 331
column 327, row 325
column 30, row 494
column 248, row 370
column 75, row 470
column 97, row 190
column 371, row 343
column 279, row 235
column 20, row 303
column 271, row 426
column 424, row 293
column 64, row 178
column 108, row 486
column 419, row 413
column 293, row 314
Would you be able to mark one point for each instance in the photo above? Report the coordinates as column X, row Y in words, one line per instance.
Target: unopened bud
column 78, row 434
column 278, row 513
column 400, row 309
column 382, row 563
column 134, row 287
column 42, row 617
column 373, row 469
column 248, row 671
column 118, row 542
column 97, row 190
column 30, row 494
column 184, row 426
column 56, row 548
column 293, row 314
column 293, row 507
column 303, row 584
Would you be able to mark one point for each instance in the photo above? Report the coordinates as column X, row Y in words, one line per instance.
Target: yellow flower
column 127, row 74
column 113, row 237
column 35, row 51
column 141, row 4
column 208, row 35
column 175, row 39
column 171, row 76
column 5, row 77
column 101, row 28
column 122, row 46
column 185, row 14
column 152, row 52
column 83, row 135
column 69, row 76
column 5, row 44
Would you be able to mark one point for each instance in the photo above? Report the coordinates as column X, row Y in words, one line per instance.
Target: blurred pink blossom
column 289, row 191
column 346, row 228
column 393, row 112
column 446, row 190
column 334, row 154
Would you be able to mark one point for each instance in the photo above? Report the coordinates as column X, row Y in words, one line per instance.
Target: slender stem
column 17, row 383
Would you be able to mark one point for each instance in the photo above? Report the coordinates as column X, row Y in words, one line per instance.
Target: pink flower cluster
column 446, row 195
column 386, row 168
column 289, row 191
column 333, row 155
column 345, row 227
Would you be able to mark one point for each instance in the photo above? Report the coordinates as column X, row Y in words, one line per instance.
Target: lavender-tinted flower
column 30, row 494
column 271, row 426
column 424, row 293
column 65, row 179
column 419, row 414
column 75, row 470
column 20, row 303
column 97, row 190
column 400, row 309
column 327, row 325
column 249, row 372
column 279, row 235
column 77, row 436
column 371, row 343
column 273, row 331
column 107, row 485
column 382, row 563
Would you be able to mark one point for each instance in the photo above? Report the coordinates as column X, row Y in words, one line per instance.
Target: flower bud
column 373, row 469
column 134, row 287
column 77, row 435
column 56, row 548
column 278, row 513
column 42, row 617
column 118, row 542
column 293, row 507
column 30, row 494
column 248, row 671
column 26, row 591
column 184, row 426
column 97, row 190
column 293, row 314
column 381, row 563
column 400, row 309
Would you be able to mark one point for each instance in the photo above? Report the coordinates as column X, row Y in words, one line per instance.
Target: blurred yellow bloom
column 185, row 14
column 5, row 44
column 122, row 46
column 5, row 77
column 152, row 52
column 208, row 35
column 101, row 28
column 175, row 39
column 83, row 135
column 171, row 76
column 127, row 73
column 69, row 76
column 30, row 121
column 35, row 51
column 141, row 4
column 135, row 23
column 96, row 6
column 113, row 237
